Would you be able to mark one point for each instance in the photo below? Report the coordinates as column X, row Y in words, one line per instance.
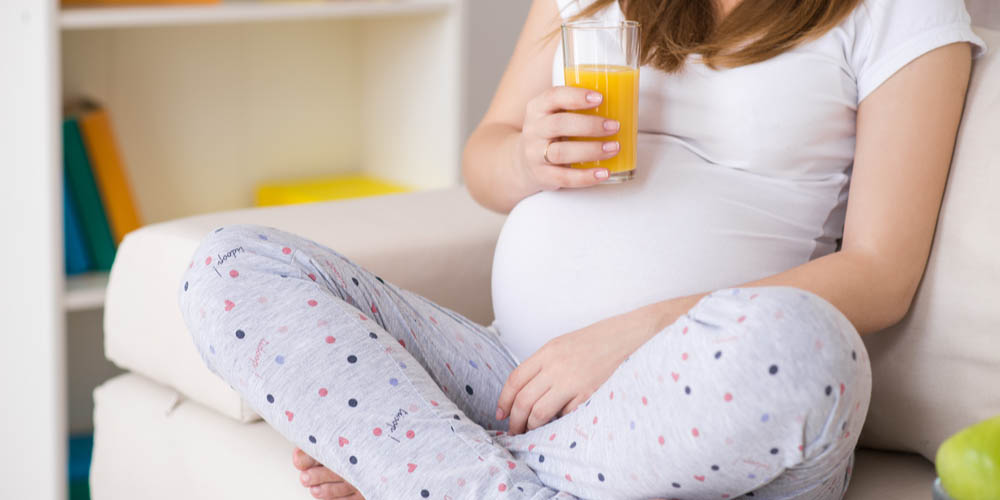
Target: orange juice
column 620, row 87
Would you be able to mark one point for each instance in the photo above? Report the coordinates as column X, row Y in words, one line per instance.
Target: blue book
column 77, row 258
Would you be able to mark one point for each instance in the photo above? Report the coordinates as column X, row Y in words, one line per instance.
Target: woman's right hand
column 548, row 122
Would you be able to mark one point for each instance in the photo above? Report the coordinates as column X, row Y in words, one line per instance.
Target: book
column 75, row 248
column 89, row 208
column 109, row 172
column 324, row 189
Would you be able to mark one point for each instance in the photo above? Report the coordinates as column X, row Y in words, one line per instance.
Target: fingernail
column 609, row 147
column 594, row 96
column 611, row 125
column 314, row 490
column 304, row 477
column 601, row 174
column 500, row 414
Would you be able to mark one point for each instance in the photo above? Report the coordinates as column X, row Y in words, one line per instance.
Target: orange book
column 109, row 172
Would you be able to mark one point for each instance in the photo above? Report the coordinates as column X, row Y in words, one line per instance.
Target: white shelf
column 86, row 291
column 78, row 18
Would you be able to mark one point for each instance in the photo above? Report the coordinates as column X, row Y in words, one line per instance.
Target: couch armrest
column 435, row 243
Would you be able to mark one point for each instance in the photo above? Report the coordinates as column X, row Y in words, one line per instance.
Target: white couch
column 172, row 430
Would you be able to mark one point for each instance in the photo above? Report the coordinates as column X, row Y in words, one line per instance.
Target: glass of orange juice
column 604, row 57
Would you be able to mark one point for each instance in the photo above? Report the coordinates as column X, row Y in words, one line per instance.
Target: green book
column 80, row 179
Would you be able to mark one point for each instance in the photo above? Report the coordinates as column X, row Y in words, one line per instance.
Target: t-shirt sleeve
column 889, row 34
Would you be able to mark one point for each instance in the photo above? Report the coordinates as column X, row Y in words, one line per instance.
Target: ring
column 545, row 155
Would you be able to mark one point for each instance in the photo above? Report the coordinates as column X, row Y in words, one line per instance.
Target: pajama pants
column 755, row 392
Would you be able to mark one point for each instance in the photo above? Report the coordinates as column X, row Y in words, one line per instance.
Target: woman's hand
column 543, row 155
column 322, row 482
column 568, row 369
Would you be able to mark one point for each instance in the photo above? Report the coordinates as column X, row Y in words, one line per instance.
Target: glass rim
column 590, row 24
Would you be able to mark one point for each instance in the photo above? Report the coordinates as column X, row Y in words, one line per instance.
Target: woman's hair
column 756, row 30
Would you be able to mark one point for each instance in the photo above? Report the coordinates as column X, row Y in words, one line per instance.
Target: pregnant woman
column 692, row 333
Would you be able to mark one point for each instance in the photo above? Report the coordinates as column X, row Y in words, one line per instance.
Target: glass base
column 619, row 177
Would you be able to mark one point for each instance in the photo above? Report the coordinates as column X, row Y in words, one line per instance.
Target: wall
column 985, row 12
column 492, row 30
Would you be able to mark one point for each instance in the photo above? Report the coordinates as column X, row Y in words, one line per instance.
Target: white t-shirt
column 742, row 173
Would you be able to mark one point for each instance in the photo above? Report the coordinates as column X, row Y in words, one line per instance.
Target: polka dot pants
column 755, row 393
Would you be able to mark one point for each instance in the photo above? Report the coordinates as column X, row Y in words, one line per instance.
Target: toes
column 318, row 475
column 332, row 490
column 302, row 461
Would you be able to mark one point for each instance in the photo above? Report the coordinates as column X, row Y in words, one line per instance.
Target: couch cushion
column 188, row 451
column 436, row 243
column 936, row 371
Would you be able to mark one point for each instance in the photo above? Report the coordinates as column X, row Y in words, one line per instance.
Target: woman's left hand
column 569, row 368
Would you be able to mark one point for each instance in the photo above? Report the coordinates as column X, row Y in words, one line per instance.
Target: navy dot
column 425, row 493
column 829, row 390
column 352, row 402
column 380, row 280
column 352, row 359
column 750, row 494
column 675, row 485
column 687, row 389
column 774, row 451
column 468, row 389
column 355, row 280
column 773, row 369
column 572, row 445
column 718, row 354
column 261, row 236
column 520, row 489
column 854, row 355
column 372, row 335
column 220, row 229
column 456, row 417
column 270, row 398
column 715, row 467
column 541, row 458
column 185, row 286
column 353, row 460
column 600, row 477
column 240, row 334
column 312, row 439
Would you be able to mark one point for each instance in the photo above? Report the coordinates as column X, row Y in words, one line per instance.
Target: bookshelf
column 206, row 101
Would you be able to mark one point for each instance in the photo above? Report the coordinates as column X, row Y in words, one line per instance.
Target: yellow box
column 324, row 189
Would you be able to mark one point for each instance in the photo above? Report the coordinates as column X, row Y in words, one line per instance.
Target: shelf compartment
column 86, row 291
column 80, row 18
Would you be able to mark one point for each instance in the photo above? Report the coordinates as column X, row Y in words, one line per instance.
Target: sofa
column 170, row 429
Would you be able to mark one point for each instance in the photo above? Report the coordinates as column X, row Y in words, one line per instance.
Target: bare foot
column 323, row 483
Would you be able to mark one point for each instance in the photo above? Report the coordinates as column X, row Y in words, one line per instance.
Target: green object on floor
column 81, row 448
column 969, row 462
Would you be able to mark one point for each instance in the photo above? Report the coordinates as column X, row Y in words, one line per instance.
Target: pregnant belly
column 568, row 258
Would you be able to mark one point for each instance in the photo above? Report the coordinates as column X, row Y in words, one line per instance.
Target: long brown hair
column 756, row 30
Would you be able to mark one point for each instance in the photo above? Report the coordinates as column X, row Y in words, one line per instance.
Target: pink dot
column 374, row 309
column 741, row 319
column 286, row 250
column 684, row 331
column 410, row 434
column 595, row 420
column 402, row 343
column 684, row 356
column 363, row 317
column 694, row 432
column 234, row 273
column 312, row 276
column 377, row 431
column 434, row 403
column 612, row 395
column 330, row 339
column 502, row 487
column 841, row 389
column 208, row 260
column 569, row 478
column 728, row 397
column 552, row 437
column 661, row 440
column 644, row 401
column 323, row 392
column 312, row 303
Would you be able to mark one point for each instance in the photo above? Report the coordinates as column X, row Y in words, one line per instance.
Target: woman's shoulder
column 914, row 13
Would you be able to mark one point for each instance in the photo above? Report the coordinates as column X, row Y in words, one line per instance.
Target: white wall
column 985, row 12
column 492, row 30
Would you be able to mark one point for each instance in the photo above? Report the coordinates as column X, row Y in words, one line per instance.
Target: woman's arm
column 905, row 138
column 503, row 160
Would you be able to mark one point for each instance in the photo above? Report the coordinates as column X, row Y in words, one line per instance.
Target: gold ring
column 545, row 155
